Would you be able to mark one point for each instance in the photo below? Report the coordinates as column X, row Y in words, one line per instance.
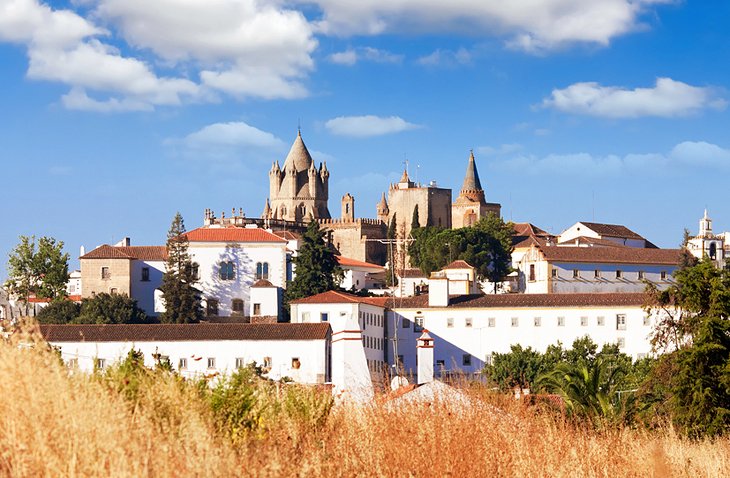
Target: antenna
column 405, row 162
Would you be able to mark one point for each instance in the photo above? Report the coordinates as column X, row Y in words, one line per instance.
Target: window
column 576, row 274
column 641, row 275
column 182, row 364
column 211, row 307
column 418, row 324
column 237, row 306
column 99, row 363
column 405, row 323
column 554, row 273
column 466, row 360
column 468, row 322
column 113, row 290
column 600, row 321
column 145, row 274
column 538, row 321
column 440, row 364
column 491, row 322
column 597, row 274
column 584, row 321
column 647, row 320
column 73, row 363
column 561, row 321
column 515, row 321
column 532, row 273
column 257, row 309
column 621, row 342
column 227, row 271
column 324, row 317
column 105, row 274
column 262, row 270
column 620, row 321
column 239, row 362
column 619, row 273
column 211, row 362
column 295, row 363
column 195, row 270
column 450, row 322
column 663, row 275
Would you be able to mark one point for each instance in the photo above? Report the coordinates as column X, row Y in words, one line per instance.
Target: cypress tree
column 415, row 224
column 317, row 269
column 182, row 299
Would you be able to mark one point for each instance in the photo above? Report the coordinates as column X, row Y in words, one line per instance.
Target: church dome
column 298, row 155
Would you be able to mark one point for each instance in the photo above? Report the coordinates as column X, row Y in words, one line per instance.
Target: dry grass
column 53, row 423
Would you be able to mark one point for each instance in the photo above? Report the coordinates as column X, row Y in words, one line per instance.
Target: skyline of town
column 109, row 129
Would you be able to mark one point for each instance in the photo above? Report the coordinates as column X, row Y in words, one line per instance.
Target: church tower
column 382, row 209
column 348, row 208
column 706, row 243
column 298, row 190
column 471, row 204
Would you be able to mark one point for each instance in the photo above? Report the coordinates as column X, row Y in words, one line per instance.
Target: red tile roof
column 337, row 297
column 183, row 332
column 611, row 255
column 346, row 262
column 458, row 264
column 411, row 273
column 527, row 229
column 142, row 253
column 232, row 234
column 288, row 235
column 262, row 283
column 612, row 230
column 527, row 300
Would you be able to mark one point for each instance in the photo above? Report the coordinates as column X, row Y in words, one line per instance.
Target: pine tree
column 182, row 299
column 390, row 279
column 317, row 269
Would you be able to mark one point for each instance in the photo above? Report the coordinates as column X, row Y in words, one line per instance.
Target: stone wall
column 119, row 280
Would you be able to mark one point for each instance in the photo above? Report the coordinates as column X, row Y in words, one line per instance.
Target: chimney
column 424, row 352
column 438, row 290
column 125, row 242
column 82, row 251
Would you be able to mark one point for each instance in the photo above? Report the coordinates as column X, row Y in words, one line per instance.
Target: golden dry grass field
column 56, row 423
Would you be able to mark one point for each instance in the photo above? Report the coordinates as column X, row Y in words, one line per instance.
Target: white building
column 298, row 351
column 546, row 267
column 73, row 286
column 613, row 233
column 360, row 275
column 708, row 244
column 230, row 260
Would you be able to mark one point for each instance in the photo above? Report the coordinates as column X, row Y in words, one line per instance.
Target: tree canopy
column 182, row 299
column 101, row 309
column 487, row 246
column 38, row 269
column 316, row 266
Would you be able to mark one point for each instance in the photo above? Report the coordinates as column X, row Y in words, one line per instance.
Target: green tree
column 487, row 246
column 520, row 367
column 390, row 278
column 317, row 269
column 182, row 299
column 415, row 224
column 59, row 312
column 110, row 309
column 694, row 327
column 39, row 270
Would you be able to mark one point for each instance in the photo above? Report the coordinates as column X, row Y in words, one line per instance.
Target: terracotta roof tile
column 262, row 283
column 458, row 264
column 337, row 297
column 527, row 300
column 612, row 230
column 346, row 262
column 288, row 235
column 232, row 234
column 611, row 255
column 412, row 273
column 143, row 253
column 183, row 332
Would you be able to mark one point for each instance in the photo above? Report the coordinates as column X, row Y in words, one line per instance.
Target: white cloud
column 688, row 154
column 233, row 134
column 528, row 25
column 351, row 56
column 368, row 125
column 77, row 99
column 668, row 98
column 441, row 57
column 501, row 150
column 27, row 21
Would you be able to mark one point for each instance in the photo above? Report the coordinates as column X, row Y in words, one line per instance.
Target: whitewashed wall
column 144, row 291
column 312, row 355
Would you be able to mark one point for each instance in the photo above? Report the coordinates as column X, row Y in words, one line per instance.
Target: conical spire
column 471, row 180
column 298, row 156
column 267, row 210
column 383, row 203
column 404, row 178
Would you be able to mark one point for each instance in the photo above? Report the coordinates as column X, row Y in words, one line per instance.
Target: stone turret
column 348, row 207
column 471, row 204
column 382, row 209
column 472, row 187
column 267, row 210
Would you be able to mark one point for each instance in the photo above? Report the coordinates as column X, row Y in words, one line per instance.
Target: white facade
column 304, row 361
column 707, row 244
column 615, row 233
column 146, row 277
column 230, row 261
column 73, row 286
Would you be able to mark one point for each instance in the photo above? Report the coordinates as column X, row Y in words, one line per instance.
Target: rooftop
column 612, row 230
column 143, row 253
column 337, row 297
column 183, row 332
column 346, row 263
column 611, row 255
column 528, row 300
column 232, row 234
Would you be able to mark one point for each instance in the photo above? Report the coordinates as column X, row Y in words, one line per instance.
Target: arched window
column 713, row 250
column 227, row 271
column 262, row 270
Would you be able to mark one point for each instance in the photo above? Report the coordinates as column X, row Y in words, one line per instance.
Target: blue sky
column 117, row 113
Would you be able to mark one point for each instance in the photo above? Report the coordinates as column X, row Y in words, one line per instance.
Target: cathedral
column 299, row 192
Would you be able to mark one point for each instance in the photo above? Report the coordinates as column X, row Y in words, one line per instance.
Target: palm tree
column 588, row 389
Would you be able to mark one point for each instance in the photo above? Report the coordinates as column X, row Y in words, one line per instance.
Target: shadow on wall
column 231, row 277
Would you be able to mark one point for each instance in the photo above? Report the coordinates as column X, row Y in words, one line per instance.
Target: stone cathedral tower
column 471, row 204
column 298, row 190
